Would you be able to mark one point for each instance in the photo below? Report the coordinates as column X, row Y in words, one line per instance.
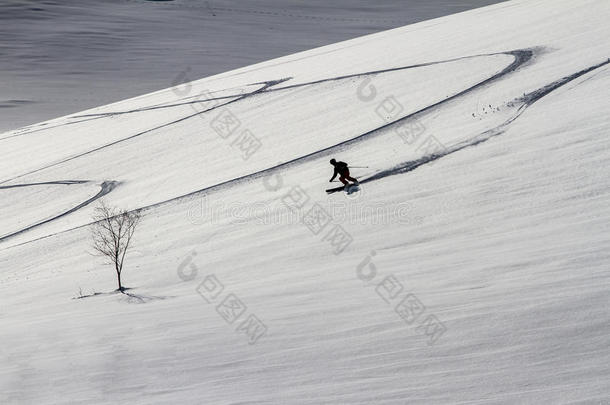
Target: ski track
column 64, row 182
column 521, row 58
column 265, row 89
column 105, row 188
column 526, row 101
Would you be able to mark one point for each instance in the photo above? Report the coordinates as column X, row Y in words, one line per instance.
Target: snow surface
column 497, row 238
column 63, row 56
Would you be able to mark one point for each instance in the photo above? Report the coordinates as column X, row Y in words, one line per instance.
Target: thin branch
column 112, row 233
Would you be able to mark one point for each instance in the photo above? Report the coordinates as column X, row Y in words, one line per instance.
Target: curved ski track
column 521, row 58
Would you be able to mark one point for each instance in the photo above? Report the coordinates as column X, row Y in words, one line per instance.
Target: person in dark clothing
column 342, row 169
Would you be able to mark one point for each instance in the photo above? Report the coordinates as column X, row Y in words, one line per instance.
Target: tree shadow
column 81, row 296
column 133, row 298
column 129, row 297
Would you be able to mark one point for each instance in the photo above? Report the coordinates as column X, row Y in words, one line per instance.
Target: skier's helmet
column 333, row 161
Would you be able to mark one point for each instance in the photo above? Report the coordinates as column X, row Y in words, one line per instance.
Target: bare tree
column 112, row 233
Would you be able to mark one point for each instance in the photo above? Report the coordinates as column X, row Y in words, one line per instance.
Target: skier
column 342, row 169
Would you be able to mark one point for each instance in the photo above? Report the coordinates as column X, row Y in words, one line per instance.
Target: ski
column 334, row 190
column 351, row 188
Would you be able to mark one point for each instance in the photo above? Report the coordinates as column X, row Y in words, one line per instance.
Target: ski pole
column 358, row 167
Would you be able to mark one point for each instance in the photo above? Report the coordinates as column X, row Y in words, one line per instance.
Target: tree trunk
column 118, row 274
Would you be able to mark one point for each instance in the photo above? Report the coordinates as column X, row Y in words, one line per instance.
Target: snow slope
column 68, row 55
column 474, row 267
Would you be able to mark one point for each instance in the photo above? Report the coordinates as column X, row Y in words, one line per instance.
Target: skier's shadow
column 405, row 167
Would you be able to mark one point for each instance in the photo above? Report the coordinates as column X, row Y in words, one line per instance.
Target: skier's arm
column 334, row 175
